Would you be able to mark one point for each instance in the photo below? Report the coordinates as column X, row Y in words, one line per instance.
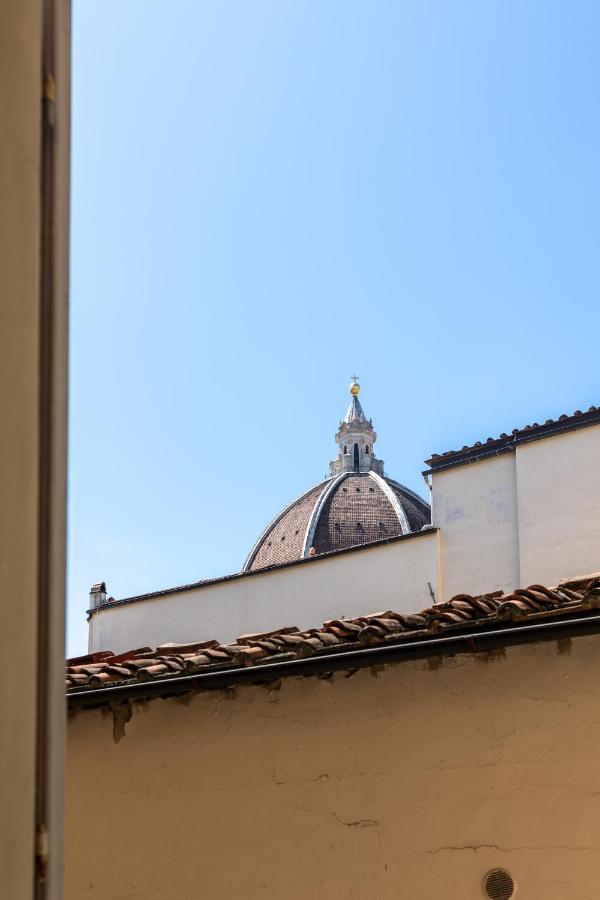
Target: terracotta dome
column 358, row 503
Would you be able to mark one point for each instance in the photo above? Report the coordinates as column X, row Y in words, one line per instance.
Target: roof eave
column 480, row 640
column 301, row 561
column 482, row 451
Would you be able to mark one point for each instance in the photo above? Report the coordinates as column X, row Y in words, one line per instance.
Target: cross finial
column 355, row 378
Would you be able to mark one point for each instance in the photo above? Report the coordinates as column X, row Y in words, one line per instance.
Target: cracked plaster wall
column 411, row 781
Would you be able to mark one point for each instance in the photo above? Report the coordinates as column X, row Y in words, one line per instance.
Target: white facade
column 558, row 485
column 528, row 515
column 531, row 515
column 475, row 508
column 399, row 575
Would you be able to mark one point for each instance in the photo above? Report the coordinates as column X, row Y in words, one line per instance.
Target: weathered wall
column 412, row 781
column 387, row 576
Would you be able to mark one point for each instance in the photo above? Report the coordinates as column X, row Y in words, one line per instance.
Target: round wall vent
column 499, row 885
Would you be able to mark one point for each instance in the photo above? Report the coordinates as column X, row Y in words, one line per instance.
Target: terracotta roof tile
column 462, row 613
column 185, row 648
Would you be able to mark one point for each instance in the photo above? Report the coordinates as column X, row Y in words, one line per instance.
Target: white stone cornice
column 314, row 519
column 397, row 506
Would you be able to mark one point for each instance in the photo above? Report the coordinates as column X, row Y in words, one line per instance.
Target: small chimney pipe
column 98, row 594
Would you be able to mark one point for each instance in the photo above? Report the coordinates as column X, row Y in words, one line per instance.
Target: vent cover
column 499, row 885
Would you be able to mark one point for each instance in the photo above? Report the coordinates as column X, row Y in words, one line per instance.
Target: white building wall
column 558, row 485
column 386, row 576
column 475, row 508
column 529, row 515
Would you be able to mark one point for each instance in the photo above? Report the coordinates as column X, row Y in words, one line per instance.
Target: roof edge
column 505, row 443
column 580, row 624
column 250, row 573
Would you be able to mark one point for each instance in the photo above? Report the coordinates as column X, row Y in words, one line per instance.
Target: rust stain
column 121, row 714
column 564, row 646
column 490, row 656
column 377, row 670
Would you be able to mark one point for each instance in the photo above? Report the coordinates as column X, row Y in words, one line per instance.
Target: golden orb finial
column 354, row 386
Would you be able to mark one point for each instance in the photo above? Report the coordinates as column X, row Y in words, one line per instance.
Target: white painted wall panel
column 474, row 506
column 389, row 576
column 558, row 485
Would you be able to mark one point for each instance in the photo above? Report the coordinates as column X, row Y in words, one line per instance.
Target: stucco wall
column 388, row 576
column 475, row 508
column 410, row 781
column 558, row 484
column 530, row 515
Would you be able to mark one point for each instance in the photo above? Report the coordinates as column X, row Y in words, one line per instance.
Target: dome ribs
column 361, row 514
column 350, row 510
column 329, row 518
column 291, row 525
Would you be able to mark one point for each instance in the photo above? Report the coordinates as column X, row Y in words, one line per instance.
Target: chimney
column 98, row 594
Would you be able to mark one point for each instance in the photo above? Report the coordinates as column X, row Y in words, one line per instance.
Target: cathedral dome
column 358, row 503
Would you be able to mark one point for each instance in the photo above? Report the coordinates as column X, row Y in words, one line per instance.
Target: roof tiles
column 505, row 442
column 463, row 612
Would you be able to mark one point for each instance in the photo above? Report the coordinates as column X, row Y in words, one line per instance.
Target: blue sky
column 269, row 196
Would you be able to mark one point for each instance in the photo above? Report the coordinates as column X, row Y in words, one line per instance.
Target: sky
column 268, row 197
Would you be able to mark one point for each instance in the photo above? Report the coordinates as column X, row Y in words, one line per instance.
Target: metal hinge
column 41, row 853
column 49, row 98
